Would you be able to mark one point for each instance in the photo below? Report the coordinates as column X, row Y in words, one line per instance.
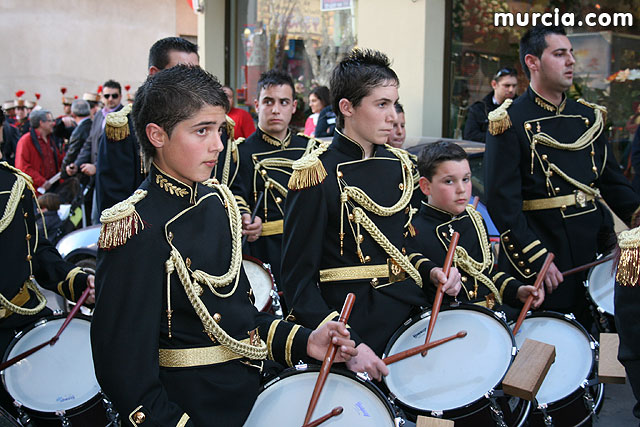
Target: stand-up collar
column 172, row 186
column 275, row 141
column 544, row 103
column 350, row 146
column 431, row 211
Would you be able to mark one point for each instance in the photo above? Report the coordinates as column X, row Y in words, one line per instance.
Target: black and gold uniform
column 175, row 337
column 265, row 166
column 345, row 225
column 547, row 169
column 481, row 282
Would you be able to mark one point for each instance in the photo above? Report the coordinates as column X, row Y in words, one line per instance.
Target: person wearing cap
column 13, row 129
column 81, row 113
column 65, row 124
column 94, row 102
column 504, row 85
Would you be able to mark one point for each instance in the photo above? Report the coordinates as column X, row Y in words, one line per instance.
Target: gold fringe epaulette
column 629, row 263
column 120, row 222
column 117, row 124
column 602, row 108
column 308, row 170
column 231, row 125
column 499, row 120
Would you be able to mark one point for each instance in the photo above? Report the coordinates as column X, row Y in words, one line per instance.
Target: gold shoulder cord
column 360, row 217
column 191, row 287
column 270, row 183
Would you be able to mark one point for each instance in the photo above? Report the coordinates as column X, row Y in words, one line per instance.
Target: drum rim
column 262, row 265
column 76, row 410
column 478, row 403
column 593, row 344
column 289, row 372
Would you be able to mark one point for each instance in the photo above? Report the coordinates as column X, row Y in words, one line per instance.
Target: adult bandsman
column 548, row 165
column 348, row 214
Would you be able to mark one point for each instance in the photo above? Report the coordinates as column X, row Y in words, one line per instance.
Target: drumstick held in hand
column 334, row 412
column 328, row 359
column 437, row 302
column 539, row 279
column 475, row 202
column 253, row 215
column 415, row 350
column 53, row 340
column 587, row 266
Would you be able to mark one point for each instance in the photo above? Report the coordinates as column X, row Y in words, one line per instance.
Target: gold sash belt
column 578, row 198
column 20, row 299
column 391, row 271
column 272, row 228
column 199, row 356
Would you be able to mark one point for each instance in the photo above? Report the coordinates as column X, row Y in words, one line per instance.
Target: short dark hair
column 49, row 201
column 159, row 52
column 275, row 77
column 399, row 108
column 356, row 75
column 437, row 152
column 170, row 97
column 323, row 94
column 533, row 43
column 113, row 85
column 504, row 72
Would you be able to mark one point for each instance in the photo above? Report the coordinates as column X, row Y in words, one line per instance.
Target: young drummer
column 175, row 337
column 446, row 180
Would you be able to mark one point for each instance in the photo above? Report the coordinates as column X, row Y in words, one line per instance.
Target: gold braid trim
column 308, row 170
column 42, row 302
column 629, row 264
column 585, row 139
column 596, row 107
column 71, row 277
column 289, row 344
column 504, row 285
column 499, row 120
column 270, row 336
column 120, row 222
column 12, row 203
column 183, row 420
column 117, row 124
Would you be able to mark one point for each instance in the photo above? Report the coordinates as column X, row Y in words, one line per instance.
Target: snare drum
column 56, row 384
column 284, row 400
column 566, row 396
column 600, row 284
column 456, row 380
column 262, row 284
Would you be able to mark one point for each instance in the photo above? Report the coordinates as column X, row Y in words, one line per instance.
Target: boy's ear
column 346, row 108
column 256, row 103
column 157, row 136
column 295, row 105
column 425, row 186
column 531, row 61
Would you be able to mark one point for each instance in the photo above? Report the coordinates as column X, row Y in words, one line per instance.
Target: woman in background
column 319, row 98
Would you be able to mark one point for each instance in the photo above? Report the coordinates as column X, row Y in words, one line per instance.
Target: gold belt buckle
column 396, row 273
column 581, row 198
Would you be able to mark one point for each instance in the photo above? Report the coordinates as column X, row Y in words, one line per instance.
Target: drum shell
column 600, row 286
column 265, row 278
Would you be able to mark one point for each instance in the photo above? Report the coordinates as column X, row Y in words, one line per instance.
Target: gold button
column 527, row 271
column 340, row 174
column 367, row 258
column 26, row 214
column 29, row 257
column 263, row 172
column 139, row 417
column 550, row 173
column 28, row 237
column 527, row 126
column 350, row 217
column 544, row 157
column 592, row 184
column 401, row 186
column 404, row 251
column 593, row 153
column 586, row 121
column 444, row 234
column 254, row 157
column 521, row 263
column 563, row 207
column 516, row 255
column 22, row 197
column 374, row 281
column 464, row 279
column 360, row 238
column 557, row 189
column 278, row 200
column 217, row 317
column 510, row 247
column 505, row 238
column 594, row 169
column 170, row 236
column 472, row 294
column 188, row 262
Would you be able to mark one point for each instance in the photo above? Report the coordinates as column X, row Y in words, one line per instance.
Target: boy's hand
column 91, row 298
column 451, row 285
column 251, row 229
column 331, row 333
column 538, row 296
column 553, row 278
column 367, row 361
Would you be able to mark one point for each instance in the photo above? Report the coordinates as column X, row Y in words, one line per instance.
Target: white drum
column 568, row 377
column 456, row 379
column 284, row 400
column 57, row 381
column 600, row 285
column 262, row 284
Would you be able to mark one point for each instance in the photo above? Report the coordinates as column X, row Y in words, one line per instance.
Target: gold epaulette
column 308, row 170
column 117, row 124
column 499, row 120
column 120, row 222
column 602, row 108
column 629, row 263
column 234, row 148
column 231, row 125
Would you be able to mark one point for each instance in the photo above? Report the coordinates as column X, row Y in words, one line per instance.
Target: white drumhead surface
column 260, row 281
column 455, row 373
column 573, row 355
column 602, row 281
column 285, row 403
column 58, row 377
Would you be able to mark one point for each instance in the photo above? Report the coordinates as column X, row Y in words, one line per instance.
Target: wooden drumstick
column 328, row 359
column 437, row 302
column 587, row 266
column 415, row 350
column 539, row 279
column 53, row 340
column 253, row 215
column 476, row 199
column 334, row 412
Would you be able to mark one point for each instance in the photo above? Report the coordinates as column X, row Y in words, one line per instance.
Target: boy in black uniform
column 446, row 180
column 175, row 337
column 347, row 216
column 265, row 162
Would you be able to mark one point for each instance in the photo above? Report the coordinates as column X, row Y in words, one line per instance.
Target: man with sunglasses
column 504, row 85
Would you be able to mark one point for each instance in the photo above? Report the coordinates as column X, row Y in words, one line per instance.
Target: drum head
column 456, row 373
column 260, row 281
column 602, row 280
column 285, row 402
column 55, row 378
column 574, row 356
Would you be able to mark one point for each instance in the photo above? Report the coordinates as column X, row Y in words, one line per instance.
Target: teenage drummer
column 347, row 215
column 176, row 339
column 445, row 178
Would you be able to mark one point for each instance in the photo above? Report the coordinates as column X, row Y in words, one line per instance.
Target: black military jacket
column 312, row 242
column 475, row 128
column 130, row 324
column 12, row 130
column 433, row 230
column 27, row 255
column 517, row 171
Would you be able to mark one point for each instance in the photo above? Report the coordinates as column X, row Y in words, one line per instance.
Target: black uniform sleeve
column 55, row 274
column 475, row 128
